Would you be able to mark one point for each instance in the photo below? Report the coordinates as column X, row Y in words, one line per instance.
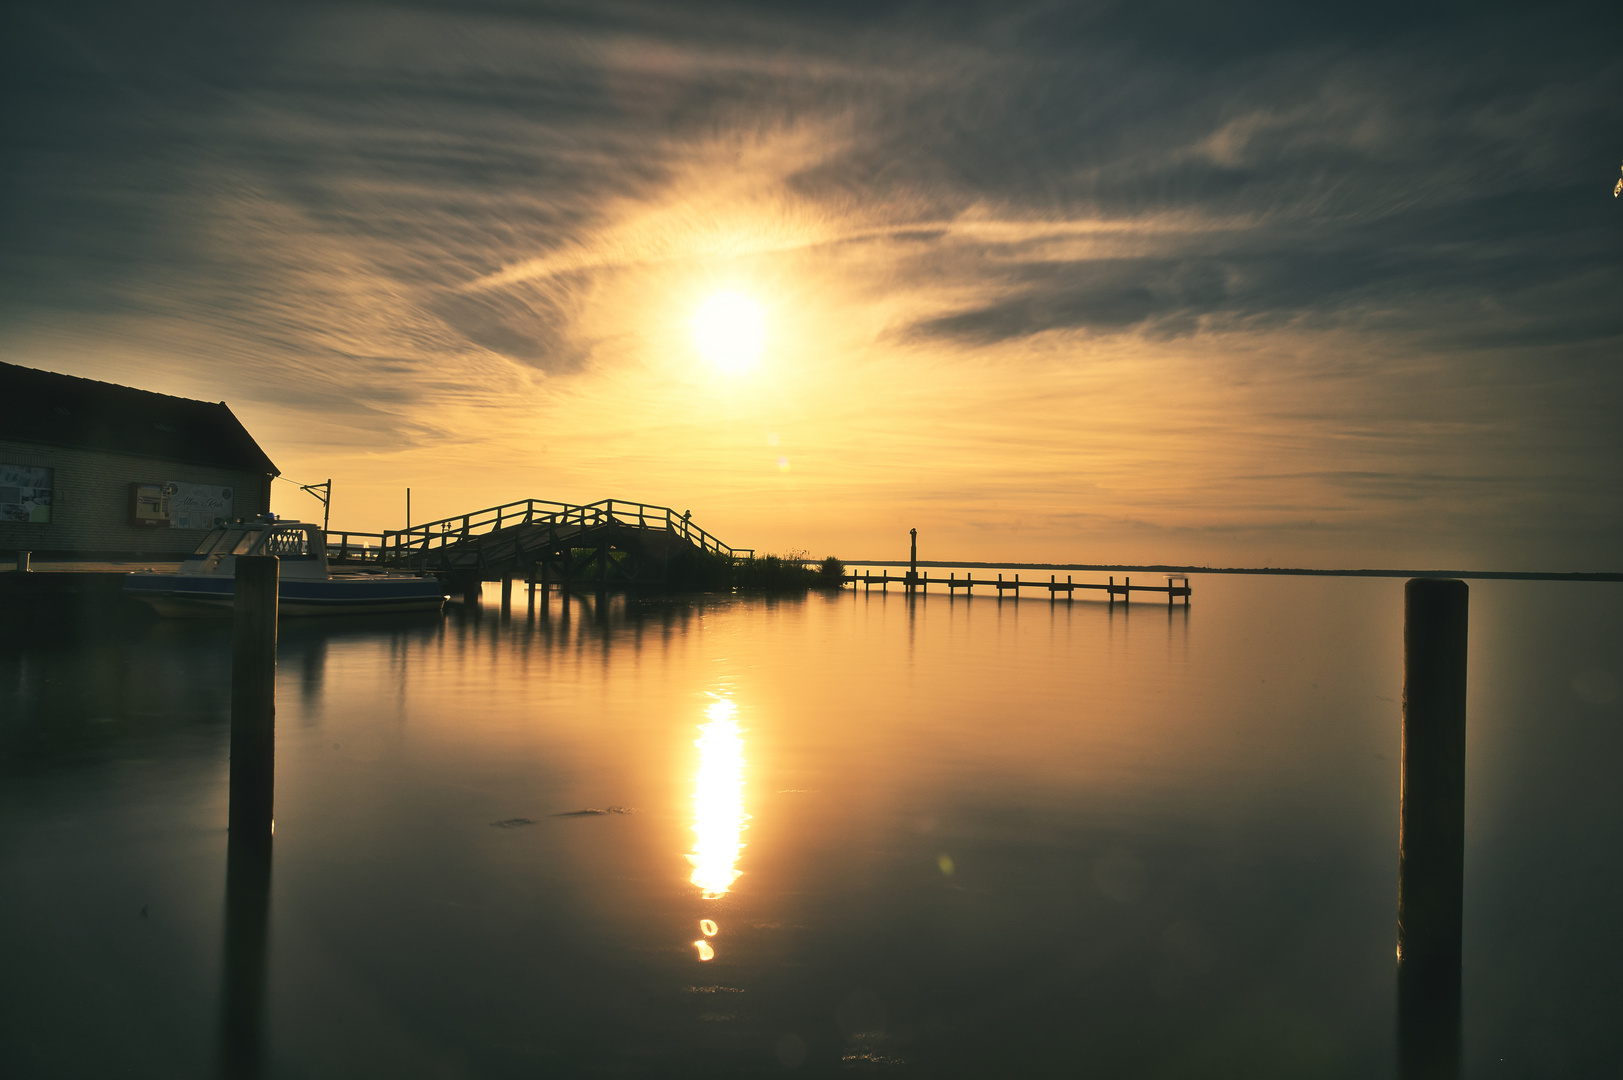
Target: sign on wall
column 198, row 506
column 147, row 506
column 180, row 506
column 25, row 493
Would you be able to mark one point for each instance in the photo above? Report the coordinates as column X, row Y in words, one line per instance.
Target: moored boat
column 205, row 584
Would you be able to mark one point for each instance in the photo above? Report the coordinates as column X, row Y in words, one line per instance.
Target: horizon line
column 1499, row 575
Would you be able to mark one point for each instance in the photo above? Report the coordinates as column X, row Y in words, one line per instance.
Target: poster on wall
column 25, row 493
column 179, row 506
column 198, row 506
column 147, row 506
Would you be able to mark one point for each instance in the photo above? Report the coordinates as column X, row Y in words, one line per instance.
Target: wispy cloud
column 1183, row 275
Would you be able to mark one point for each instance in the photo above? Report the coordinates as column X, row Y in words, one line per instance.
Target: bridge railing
column 416, row 543
column 354, row 547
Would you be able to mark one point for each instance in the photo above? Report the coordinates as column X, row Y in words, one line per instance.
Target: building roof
column 62, row 410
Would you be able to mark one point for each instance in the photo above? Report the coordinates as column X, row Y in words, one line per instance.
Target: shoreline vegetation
column 792, row 572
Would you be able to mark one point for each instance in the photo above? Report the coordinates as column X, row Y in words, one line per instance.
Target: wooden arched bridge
column 606, row 544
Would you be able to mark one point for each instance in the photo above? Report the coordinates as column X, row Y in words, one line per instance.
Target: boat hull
column 204, row 596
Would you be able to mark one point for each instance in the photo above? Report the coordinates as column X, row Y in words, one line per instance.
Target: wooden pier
column 1177, row 585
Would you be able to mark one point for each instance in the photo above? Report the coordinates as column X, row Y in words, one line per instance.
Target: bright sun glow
column 718, row 802
column 728, row 331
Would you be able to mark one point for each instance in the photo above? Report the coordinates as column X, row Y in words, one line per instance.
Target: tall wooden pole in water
column 251, row 815
column 1431, row 839
column 913, row 562
column 253, row 700
column 247, row 924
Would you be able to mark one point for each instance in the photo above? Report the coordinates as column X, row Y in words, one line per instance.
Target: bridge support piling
column 507, row 595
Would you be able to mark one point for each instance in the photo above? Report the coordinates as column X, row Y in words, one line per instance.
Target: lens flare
column 718, row 802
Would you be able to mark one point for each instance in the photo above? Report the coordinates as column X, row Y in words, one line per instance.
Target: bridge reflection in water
column 718, row 811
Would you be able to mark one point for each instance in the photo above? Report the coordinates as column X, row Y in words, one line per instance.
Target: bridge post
column 471, row 591
column 507, row 593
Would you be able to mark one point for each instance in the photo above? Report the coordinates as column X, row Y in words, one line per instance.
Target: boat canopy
column 286, row 540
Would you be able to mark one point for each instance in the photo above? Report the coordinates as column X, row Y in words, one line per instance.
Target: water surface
column 939, row 837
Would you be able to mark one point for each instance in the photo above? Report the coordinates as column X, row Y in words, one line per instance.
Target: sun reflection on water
column 718, row 801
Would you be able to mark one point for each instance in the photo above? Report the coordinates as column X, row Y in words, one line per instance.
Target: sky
column 1277, row 284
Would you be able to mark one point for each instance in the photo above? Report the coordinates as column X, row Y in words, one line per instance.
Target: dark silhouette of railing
column 418, row 546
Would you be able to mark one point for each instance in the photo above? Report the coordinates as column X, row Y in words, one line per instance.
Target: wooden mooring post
column 251, row 812
column 242, row 993
column 1431, row 831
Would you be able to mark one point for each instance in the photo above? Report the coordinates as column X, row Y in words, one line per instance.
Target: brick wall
column 90, row 512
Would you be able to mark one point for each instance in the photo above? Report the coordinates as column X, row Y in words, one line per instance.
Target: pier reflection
column 1429, row 1021
column 242, row 990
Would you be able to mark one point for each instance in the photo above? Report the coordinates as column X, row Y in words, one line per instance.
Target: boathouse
column 92, row 470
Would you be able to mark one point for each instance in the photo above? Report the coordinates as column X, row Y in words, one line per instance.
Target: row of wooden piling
column 913, row 581
column 538, row 582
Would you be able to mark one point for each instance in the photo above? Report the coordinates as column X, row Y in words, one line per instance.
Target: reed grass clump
column 831, row 574
column 774, row 573
column 792, row 572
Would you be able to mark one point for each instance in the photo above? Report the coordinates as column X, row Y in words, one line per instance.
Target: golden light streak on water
column 718, row 802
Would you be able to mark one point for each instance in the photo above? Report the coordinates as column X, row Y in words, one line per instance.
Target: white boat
column 205, row 584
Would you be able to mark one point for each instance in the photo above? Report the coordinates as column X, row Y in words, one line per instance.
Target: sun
column 728, row 330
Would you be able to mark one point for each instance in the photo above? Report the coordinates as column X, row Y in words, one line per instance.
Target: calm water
column 947, row 837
